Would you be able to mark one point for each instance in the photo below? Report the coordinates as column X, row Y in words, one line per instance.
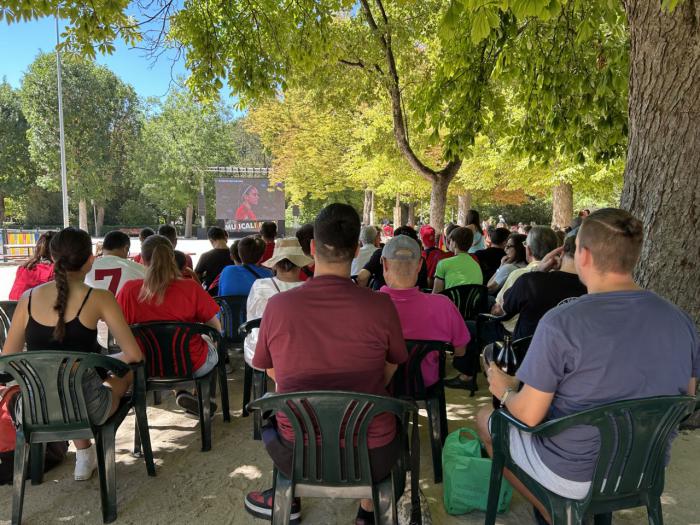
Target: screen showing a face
column 244, row 204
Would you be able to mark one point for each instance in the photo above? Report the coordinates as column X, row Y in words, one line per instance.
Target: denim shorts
column 209, row 364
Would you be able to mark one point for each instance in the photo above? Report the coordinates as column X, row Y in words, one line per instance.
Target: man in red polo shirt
column 356, row 348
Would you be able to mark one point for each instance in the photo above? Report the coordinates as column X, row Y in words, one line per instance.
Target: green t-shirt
column 458, row 270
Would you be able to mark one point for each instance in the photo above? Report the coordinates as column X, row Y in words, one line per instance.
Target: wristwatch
column 507, row 393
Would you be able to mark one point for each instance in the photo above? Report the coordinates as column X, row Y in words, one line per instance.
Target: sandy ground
column 196, row 487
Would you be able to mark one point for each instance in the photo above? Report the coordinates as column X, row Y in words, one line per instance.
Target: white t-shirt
column 362, row 258
column 110, row 272
column 259, row 294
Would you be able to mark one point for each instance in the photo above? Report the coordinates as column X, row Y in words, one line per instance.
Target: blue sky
column 21, row 42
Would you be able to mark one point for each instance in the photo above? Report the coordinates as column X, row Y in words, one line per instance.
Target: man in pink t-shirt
column 427, row 317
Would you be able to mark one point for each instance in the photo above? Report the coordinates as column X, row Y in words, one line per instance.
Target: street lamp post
column 62, row 138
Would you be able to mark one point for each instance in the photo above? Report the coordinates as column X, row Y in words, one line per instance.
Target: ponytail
column 70, row 250
column 61, row 279
column 161, row 268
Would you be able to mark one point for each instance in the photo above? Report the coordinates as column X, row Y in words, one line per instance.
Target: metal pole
column 64, row 181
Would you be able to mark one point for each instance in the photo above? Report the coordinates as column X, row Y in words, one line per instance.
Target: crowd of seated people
column 596, row 333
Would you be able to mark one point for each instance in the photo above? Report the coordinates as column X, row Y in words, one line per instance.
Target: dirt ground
column 208, row 487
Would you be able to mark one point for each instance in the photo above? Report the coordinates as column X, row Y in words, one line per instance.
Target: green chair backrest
column 470, row 299
column 330, row 432
column 233, row 315
column 51, row 385
column 165, row 346
column 7, row 310
column 408, row 379
column 634, row 437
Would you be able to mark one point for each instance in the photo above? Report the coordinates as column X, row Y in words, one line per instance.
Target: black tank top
column 77, row 338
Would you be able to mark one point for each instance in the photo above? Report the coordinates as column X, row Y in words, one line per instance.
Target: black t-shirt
column 374, row 266
column 211, row 263
column 535, row 293
column 490, row 261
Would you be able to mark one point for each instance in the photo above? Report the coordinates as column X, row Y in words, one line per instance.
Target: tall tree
column 100, row 120
column 16, row 173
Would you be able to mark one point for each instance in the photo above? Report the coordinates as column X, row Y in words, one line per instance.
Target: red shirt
column 432, row 257
column 185, row 301
column 330, row 334
column 303, row 276
column 269, row 250
column 138, row 259
column 25, row 279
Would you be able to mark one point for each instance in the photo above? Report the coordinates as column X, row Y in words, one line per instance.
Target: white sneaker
column 85, row 463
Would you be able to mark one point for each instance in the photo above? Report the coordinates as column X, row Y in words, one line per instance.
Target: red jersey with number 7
column 110, row 272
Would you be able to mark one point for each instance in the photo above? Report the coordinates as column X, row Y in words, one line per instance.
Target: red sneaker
column 259, row 504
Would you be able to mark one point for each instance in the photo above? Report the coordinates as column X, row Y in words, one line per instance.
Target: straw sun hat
column 288, row 248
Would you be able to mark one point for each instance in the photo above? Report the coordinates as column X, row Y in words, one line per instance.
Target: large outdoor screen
column 244, row 204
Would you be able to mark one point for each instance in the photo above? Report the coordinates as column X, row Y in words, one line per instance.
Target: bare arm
column 692, row 386
column 14, row 343
column 363, row 278
column 438, row 285
column 460, row 350
column 389, row 371
column 214, row 323
column 112, row 314
column 529, row 405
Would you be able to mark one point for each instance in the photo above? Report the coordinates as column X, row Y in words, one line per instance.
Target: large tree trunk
column 372, row 213
column 368, row 208
column 397, row 211
column 662, row 186
column 188, row 221
column 411, row 219
column 100, row 220
column 562, row 205
column 83, row 215
column 438, row 202
column 2, row 209
column 464, row 204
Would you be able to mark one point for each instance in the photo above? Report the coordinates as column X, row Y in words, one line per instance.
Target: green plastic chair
column 629, row 472
column 408, row 384
column 254, row 381
column 53, row 409
column 168, row 365
column 322, row 468
column 7, row 310
column 233, row 311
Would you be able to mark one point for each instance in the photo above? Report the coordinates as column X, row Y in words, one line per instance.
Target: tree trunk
column 411, row 220
column 100, row 220
column 661, row 185
column 2, row 209
column 188, row 221
column 83, row 215
column 397, row 211
column 562, row 205
column 438, row 203
column 464, row 204
column 372, row 214
column 367, row 210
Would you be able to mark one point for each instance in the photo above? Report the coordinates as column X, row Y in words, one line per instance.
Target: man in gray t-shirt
column 618, row 342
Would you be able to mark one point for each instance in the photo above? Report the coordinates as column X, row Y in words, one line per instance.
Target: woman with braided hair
column 63, row 315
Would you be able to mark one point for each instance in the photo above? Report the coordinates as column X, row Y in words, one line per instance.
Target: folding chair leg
column 282, row 502
column 106, row 467
column 20, row 472
column 384, row 502
column 142, row 435
column 259, row 389
column 654, row 512
column 435, row 430
column 247, row 386
column 204, row 403
column 223, row 385
column 37, row 453
column 494, row 488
